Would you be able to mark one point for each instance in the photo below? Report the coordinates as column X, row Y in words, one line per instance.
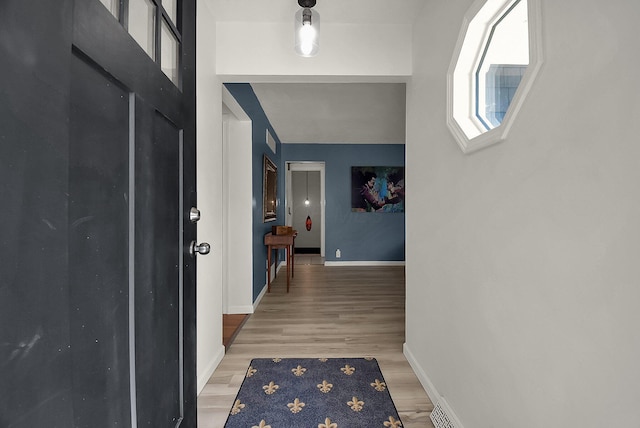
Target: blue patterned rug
column 313, row 393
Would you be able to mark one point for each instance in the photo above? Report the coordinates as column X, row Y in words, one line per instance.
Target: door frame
column 306, row 166
column 237, row 215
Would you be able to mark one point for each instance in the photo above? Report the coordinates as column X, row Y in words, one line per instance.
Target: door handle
column 203, row 248
column 194, row 214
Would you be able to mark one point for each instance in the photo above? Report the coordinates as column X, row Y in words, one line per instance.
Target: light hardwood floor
column 329, row 312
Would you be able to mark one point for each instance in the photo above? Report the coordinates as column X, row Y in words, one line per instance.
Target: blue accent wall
column 359, row 236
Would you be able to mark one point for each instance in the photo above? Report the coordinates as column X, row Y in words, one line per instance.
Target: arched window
column 493, row 67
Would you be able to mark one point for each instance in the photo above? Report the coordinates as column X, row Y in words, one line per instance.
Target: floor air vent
column 440, row 418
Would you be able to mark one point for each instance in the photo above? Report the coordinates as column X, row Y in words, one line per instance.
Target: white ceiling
column 334, row 11
column 335, row 113
column 330, row 112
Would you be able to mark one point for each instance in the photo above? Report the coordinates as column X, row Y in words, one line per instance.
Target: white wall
column 238, row 209
column 209, row 176
column 266, row 49
column 522, row 259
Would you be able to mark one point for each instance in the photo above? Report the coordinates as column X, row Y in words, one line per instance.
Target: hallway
column 330, row 312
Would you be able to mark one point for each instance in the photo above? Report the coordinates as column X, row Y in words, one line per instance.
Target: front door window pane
column 169, row 60
column 113, row 6
column 171, row 7
column 142, row 24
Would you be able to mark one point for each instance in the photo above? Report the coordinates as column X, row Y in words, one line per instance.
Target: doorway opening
column 305, row 206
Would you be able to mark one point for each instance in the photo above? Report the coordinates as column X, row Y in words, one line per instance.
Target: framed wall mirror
column 270, row 189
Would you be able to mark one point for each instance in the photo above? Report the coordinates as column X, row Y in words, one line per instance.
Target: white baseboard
column 211, row 367
column 274, row 271
column 426, row 383
column 241, row 309
column 429, row 387
column 365, row 263
column 259, row 298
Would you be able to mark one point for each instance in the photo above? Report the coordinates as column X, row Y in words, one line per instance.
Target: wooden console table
column 276, row 242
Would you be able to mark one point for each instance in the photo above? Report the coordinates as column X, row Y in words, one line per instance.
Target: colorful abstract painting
column 377, row 189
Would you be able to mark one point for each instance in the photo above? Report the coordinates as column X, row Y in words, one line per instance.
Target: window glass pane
column 505, row 59
column 501, row 83
column 171, row 7
column 112, row 6
column 142, row 23
column 169, row 60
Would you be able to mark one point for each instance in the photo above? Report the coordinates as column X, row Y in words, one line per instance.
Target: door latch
column 194, row 214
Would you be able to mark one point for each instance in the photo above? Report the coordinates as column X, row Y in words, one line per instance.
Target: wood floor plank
column 231, row 324
column 329, row 312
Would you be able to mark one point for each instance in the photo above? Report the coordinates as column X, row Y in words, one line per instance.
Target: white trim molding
column 306, row 166
column 259, row 298
column 430, row 388
column 211, row 367
column 473, row 141
column 241, row 309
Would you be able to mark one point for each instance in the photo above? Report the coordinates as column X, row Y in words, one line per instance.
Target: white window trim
column 499, row 133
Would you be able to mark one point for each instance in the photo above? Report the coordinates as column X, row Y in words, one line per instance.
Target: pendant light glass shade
column 307, row 202
column 307, row 32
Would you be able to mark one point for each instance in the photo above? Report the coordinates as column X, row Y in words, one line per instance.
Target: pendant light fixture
column 307, row 29
column 308, row 223
column 306, row 201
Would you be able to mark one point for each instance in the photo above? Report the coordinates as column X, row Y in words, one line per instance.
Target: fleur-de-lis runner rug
column 313, row 393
